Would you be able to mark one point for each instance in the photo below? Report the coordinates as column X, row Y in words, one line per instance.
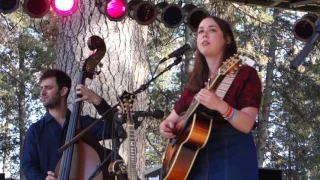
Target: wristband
column 234, row 114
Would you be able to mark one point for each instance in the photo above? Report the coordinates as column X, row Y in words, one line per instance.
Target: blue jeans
column 228, row 155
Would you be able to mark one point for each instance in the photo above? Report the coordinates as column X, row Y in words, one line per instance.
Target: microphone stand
column 117, row 133
column 104, row 115
column 307, row 48
column 145, row 86
column 99, row 167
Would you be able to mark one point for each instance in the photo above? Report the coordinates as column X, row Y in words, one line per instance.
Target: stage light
column 36, row 8
column 304, row 28
column 115, row 10
column 8, row 6
column 194, row 15
column 144, row 12
column 64, row 7
column 171, row 15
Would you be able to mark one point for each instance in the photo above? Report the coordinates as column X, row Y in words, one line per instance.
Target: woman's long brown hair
column 200, row 72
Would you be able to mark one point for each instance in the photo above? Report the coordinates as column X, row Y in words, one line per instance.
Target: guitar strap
column 225, row 84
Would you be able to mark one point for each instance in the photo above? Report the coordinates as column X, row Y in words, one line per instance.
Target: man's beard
column 54, row 102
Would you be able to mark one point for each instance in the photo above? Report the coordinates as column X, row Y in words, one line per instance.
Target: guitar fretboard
column 132, row 173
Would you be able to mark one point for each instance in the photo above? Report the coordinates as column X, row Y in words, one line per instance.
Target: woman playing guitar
column 214, row 142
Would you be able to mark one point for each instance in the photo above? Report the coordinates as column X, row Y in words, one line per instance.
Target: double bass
column 80, row 159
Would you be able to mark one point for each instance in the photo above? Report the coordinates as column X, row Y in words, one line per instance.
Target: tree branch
column 153, row 146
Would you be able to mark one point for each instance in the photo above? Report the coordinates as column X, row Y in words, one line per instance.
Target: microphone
column 158, row 114
column 189, row 45
column 307, row 48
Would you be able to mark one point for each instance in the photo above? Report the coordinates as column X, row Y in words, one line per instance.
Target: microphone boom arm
column 146, row 85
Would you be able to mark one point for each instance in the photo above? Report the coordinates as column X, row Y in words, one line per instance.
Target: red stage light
column 116, row 9
column 64, row 7
column 36, row 8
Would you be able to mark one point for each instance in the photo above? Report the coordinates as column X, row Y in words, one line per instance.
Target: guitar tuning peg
column 100, row 64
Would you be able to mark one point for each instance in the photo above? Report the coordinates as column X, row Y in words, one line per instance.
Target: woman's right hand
column 167, row 129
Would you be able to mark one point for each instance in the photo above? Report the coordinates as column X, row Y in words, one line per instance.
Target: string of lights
column 142, row 11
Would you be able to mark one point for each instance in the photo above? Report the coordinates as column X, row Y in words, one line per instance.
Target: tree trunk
column 124, row 65
column 185, row 68
column 267, row 97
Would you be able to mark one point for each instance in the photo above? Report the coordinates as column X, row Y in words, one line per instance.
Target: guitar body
column 81, row 169
column 178, row 159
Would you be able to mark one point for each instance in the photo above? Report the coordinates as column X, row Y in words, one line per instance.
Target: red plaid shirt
column 245, row 91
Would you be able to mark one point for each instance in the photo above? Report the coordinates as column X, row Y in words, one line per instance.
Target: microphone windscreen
column 192, row 44
column 158, row 114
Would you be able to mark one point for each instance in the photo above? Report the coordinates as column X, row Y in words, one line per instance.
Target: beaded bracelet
column 230, row 114
column 233, row 115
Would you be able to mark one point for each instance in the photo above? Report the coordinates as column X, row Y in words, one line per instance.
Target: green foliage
column 23, row 54
column 294, row 120
column 166, row 89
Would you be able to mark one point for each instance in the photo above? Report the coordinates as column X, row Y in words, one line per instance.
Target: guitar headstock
column 232, row 64
column 95, row 43
column 126, row 101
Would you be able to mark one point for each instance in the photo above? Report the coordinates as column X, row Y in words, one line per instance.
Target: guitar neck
column 132, row 173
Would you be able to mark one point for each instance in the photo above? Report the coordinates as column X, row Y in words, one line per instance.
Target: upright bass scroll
column 94, row 43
